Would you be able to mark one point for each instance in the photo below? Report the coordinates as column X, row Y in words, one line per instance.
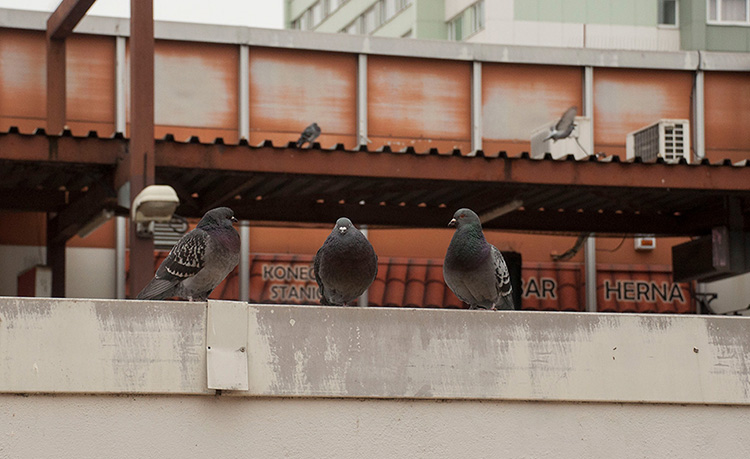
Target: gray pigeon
column 564, row 126
column 199, row 261
column 345, row 264
column 310, row 133
column 474, row 269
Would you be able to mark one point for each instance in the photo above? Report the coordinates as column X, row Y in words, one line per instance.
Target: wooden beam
column 140, row 160
column 65, row 18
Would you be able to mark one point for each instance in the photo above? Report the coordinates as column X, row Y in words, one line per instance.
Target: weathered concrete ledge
column 110, row 346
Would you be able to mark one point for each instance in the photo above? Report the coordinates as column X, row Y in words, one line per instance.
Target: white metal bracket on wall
column 226, row 345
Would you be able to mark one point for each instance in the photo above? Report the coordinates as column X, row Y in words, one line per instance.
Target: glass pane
column 668, row 12
column 734, row 10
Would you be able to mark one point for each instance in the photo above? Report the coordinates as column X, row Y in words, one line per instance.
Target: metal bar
column 55, row 85
column 476, row 107
column 244, row 271
column 65, row 18
column 362, row 138
column 56, row 259
column 589, row 258
column 588, row 101
column 244, row 93
column 499, row 211
column 364, row 301
column 120, row 85
column 121, row 234
column 141, row 158
column 699, row 116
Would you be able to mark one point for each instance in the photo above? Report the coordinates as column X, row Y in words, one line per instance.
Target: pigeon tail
column 158, row 289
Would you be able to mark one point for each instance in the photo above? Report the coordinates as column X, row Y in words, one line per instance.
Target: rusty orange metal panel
column 22, row 79
column 90, row 75
column 727, row 110
column 196, row 85
column 23, row 228
column 629, row 99
column 422, row 103
column 289, row 89
column 517, row 99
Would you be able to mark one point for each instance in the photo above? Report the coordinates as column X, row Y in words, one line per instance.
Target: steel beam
column 65, row 18
column 140, row 160
column 55, row 85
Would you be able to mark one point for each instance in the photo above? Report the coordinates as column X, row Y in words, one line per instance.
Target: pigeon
column 564, row 126
column 345, row 264
column 310, row 133
column 199, row 261
column 474, row 269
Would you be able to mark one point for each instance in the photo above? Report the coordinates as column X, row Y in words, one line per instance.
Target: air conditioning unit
column 564, row 147
column 667, row 139
column 165, row 234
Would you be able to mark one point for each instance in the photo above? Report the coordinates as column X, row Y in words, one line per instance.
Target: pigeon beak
column 452, row 223
column 234, row 219
column 342, row 229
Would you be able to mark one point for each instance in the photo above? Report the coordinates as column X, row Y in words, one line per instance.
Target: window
column 668, row 12
column 467, row 22
column 732, row 11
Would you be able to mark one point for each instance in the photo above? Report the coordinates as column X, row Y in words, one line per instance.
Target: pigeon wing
column 502, row 275
column 185, row 260
column 567, row 120
column 316, row 269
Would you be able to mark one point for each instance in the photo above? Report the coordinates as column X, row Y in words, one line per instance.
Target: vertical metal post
column 699, row 117
column 141, row 157
column 363, row 301
column 244, row 93
column 123, row 195
column 588, row 101
column 55, row 85
column 56, row 261
column 362, row 100
column 589, row 255
column 244, row 271
column 476, row 107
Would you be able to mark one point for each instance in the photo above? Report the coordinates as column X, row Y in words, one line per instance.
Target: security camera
column 155, row 203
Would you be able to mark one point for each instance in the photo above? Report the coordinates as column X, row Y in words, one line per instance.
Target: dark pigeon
column 199, row 261
column 345, row 264
column 474, row 269
column 564, row 126
column 309, row 135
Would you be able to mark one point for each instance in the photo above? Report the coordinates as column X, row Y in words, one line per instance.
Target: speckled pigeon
column 474, row 269
column 564, row 126
column 199, row 261
column 345, row 264
column 310, row 133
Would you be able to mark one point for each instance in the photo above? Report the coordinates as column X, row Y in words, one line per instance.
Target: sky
column 253, row 13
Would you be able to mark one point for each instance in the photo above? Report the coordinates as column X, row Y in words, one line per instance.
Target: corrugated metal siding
column 196, row 87
column 289, row 89
column 727, row 109
column 516, row 99
column 23, row 85
column 419, row 102
column 90, row 73
column 628, row 99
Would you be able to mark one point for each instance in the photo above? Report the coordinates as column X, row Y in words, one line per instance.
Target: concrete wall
column 92, row 379
column 92, row 427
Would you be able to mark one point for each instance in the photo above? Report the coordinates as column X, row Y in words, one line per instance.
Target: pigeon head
column 343, row 225
column 221, row 216
column 464, row 217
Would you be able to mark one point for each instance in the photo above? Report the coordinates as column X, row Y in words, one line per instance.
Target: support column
column 362, row 100
column 476, row 107
column 141, row 157
column 244, row 271
column 364, row 300
column 56, row 260
column 588, row 101
column 699, row 117
column 123, row 194
column 244, row 93
column 589, row 255
column 55, row 85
